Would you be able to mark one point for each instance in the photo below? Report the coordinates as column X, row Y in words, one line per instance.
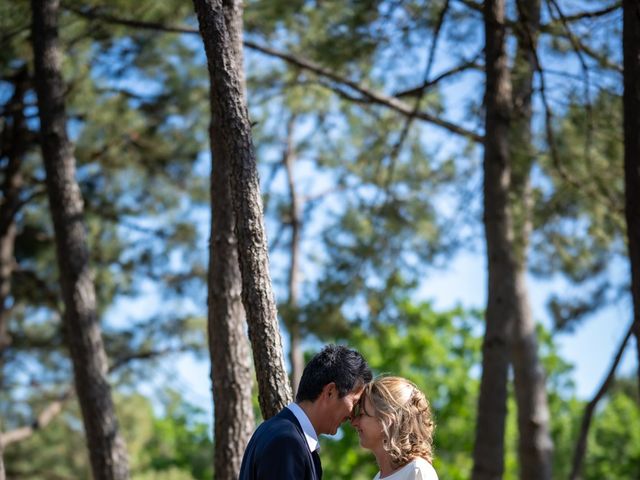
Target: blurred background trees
column 368, row 122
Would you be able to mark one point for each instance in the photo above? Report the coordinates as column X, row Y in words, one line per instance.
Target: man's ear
column 330, row 390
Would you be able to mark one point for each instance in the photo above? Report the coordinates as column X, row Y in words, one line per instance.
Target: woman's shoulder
column 423, row 469
column 416, row 469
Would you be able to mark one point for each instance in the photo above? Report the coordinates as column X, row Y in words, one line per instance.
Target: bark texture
column 535, row 446
column 232, row 140
column 488, row 455
column 631, row 53
column 231, row 375
column 106, row 448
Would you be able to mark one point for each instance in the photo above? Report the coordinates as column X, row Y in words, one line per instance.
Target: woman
column 394, row 421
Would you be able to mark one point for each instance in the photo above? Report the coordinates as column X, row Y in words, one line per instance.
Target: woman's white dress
column 417, row 469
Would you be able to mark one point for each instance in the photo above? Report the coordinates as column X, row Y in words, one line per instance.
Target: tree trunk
column 232, row 140
column 296, row 357
column 581, row 444
column 231, row 375
column 631, row 48
column 14, row 145
column 534, row 440
column 3, row 474
column 488, row 452
column 106, row 448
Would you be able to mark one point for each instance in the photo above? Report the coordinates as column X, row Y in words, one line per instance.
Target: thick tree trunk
column 534, row 440
column 231, row 375
column 233, row 141
column 631, row 48
column 488, row 452
column 106, row 448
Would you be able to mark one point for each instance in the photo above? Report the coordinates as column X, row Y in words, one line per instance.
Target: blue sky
column 590, row 348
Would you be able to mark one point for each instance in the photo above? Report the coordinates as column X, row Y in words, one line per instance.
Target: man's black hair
column 334, row 363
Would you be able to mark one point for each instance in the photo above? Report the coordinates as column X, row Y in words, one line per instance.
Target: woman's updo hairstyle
column 406, row 418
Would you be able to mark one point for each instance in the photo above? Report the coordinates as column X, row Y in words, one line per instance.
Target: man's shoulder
column 280, row 427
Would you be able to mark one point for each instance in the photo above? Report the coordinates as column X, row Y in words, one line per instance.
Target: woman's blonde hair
column 406, row 418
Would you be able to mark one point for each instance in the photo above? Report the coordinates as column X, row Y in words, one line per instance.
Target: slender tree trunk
column 534, row 440
column 106, row 447
column 296, row 357
column 233, row 141
column 231, row 374
column 14, row 144
column 3, row 474
column 631, row 48
column 488, row 452
column 581, row 444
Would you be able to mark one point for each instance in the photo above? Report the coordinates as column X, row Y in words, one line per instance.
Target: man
column 286, row 446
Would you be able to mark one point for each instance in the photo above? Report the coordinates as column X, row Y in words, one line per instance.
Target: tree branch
column 397, row 147
column 576, row 17
column 581, row 445
column 467, row 65
column 368, row 94
column 41, row 421
column 52, row 410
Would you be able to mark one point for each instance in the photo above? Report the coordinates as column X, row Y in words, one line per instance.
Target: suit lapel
column 288, row 414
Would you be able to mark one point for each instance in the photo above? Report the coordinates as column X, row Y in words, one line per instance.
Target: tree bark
column 231, row 375
column 232, row 140
column 488, row 455
column 534, row 439
column 106, row 448
column 631, row 99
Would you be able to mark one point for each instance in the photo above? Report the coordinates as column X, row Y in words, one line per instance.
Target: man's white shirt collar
column 309, row 432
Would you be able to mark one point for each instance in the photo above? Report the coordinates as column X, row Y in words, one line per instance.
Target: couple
column 392, row 417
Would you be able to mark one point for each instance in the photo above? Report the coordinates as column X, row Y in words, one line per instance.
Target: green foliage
column 440, row 351
column 58, row 450
column 139, row 111
column 437, row 350
column 173, row 446
column 181, row 443
column 132, row 103
column 579, row 215
column 614, row 442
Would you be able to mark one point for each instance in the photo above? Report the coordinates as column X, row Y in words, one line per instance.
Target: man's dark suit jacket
column 278, row 450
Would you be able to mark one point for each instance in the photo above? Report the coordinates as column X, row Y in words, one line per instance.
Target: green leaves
column 440, row 352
